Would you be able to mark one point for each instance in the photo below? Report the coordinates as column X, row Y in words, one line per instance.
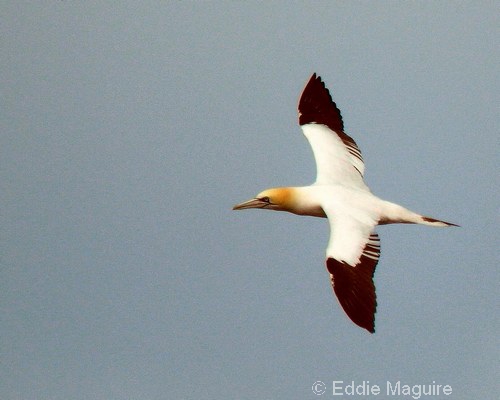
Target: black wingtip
column 355, row 290
column 316, row 105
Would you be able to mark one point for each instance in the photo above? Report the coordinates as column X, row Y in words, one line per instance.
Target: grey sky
column 129, row 131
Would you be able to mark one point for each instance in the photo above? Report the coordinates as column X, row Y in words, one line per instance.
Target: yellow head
column 280, row 199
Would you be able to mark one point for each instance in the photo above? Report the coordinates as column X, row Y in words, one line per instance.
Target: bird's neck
column 301, row 201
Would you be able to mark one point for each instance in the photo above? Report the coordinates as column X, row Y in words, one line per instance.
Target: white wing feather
column 334, row 163
column 350, row 228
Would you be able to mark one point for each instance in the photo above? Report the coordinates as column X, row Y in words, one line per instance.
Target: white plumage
column 341, row 195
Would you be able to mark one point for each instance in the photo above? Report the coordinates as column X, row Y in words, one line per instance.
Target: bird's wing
column 352, row 255
column 338, row 158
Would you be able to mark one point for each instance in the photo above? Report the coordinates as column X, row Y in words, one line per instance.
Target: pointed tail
column 434, row 222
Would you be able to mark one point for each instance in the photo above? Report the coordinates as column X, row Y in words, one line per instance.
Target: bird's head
column 280, row 199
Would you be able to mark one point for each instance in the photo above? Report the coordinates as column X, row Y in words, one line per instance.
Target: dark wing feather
column 354, row 286
column 317, row 107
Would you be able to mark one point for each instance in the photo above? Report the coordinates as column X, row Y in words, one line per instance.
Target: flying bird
column 341, row 195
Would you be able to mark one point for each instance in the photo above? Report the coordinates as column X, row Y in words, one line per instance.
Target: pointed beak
column 252, row 203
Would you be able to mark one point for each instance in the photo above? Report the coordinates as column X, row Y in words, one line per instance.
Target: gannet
column 341, row 195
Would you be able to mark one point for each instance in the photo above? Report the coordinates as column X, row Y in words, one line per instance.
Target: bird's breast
column 312, row 211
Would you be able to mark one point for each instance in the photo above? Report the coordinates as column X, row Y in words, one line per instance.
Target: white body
column 341, row 195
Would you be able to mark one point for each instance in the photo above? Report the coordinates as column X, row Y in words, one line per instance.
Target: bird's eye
column 265, row 199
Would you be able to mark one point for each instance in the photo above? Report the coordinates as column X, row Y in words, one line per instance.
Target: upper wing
column 352, row 255
column 338, row 158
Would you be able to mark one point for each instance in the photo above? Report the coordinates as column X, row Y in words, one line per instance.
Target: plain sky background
column 130, row 129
